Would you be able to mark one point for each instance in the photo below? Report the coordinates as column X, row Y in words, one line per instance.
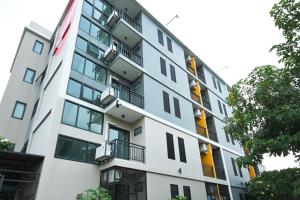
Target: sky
column 234, row 34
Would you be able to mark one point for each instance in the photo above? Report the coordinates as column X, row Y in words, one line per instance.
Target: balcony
column 120, row 149
column 206, row 104
column 123, row 61
column 201, row 130
column 124, row 27
column 208, row 170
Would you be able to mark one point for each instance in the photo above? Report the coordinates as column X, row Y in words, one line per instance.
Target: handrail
column 127, row 150
column 128, row 95
column 127, row 52
column 130, row 21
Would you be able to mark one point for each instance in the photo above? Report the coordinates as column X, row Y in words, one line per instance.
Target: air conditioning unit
column 197, row 113
column 189, row 59
column 203, row 148
column 108, row 95
column 113, row 18
column 110, row 53
column 103, row 152
column 193, row 84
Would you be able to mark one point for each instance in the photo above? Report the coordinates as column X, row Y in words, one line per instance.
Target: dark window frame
column 187, row 192
column 33, row 76
column 181, row 148
column 214, row 82
column 35, row 43
column 220, row 106
column 160, row 37
column 163, row 66
column 240, row 171
column 234, row 167
column 241, row 196
column 177, row 107
column 225, row 110
column 170, row 146
column 170, row 46
column 166, row 102
column 173, row 73
column 23, row 113
column 219, row 86
column 174, row 188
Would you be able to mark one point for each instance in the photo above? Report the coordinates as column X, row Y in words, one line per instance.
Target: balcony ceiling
column 126, row 34
column 129, row 6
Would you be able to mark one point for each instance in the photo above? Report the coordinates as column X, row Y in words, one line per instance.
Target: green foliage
column 266, row 104
column 5, row 144
column 275, row 185
column 179, row 198
column 94, row 194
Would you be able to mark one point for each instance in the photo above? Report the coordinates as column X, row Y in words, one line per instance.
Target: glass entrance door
column 119, row 139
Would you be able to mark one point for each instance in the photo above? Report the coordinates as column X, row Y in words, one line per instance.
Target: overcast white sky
column 233, row 33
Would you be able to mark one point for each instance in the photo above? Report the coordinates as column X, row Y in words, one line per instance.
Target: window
column 225, row 110
column 85, row 24
column 234, row 167
column 103, row 7
column 29, row 76
column 76, row 150
column 70, row 113
column 81, row 44
column 220, row 107
column 181, row 150
column 173, row 73
column 170, row 48
column 214, row 81
column 227, row 136
column 170, row 146
column 138, row 130
column 38, row 47
column 83, row 118
column 240, row 171
column 102, row 19
column 187, row 192
column 163, row 68
column 80, row 91
column 174, row 191
column 176, row 107
column 94, row 51
column 241, row 196
column 160, row 37
column 166, row 102
column 87, row 8
column 219, row 86
column 19, row 110
column 100, row 35
column 89, row 68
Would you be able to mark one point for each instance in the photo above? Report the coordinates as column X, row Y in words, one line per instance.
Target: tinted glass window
column 104, row 38
column 170, row 146
column 87, row 93
column 187, row 192
column 219, row 86
column 85, row 24
column 74, row 88
column 89, row 69
column 78, row 63
column 181, row 150
column 83, row 118
column 38, row 47
column 102, row 19
column 160, row 37
column 69, row 113
column 100, row 74
column 91, row 151
column 64, row 147
column 234, row 167
column 177, row 107
column 96, row 122
column 220, row 107
column 214, row 81
column 169, row 41
column 81, row 44
column 174, row 191
column 166, row 102
column 29, row 75
column 163, row 68
column 95, row 31
column 173, row 73
column 106, row 8
column 225, row 110
column 19, row 110
column 79, row 150
column 87, row 8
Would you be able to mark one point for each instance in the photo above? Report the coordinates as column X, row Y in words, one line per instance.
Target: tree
column 5, row 144
column 179, row 198
column 275, row 185
column 266, row 104
column 94, row 194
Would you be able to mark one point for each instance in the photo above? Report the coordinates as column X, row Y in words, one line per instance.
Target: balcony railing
column 130, row 21
column 127, row 151
column 128, row 95
column 201, row 130
column 130, row 54
column 208, row 170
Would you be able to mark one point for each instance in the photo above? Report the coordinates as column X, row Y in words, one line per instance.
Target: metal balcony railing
column 201, row 130
column 130, row 54
column 128, row 95
column 127, row 151
column 130, row 21
column 208, row 170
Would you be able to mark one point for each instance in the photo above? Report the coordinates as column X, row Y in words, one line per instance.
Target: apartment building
column 112, row 98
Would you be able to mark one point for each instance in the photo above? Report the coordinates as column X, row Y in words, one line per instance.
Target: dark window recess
column 170, row 146
column 173, row 73
column 219, row 86
column 177, row 107
column 174, row 191
column 227, row 136
column 163, row 68
column 220, row 107
column 38, row 47
column 19, row 110
column 214, row 81
column 181, row 150
column 138, row 130
column 240, row 171
column 170, row 48
column 225, row 110
column 35, row 108
column 166, row 102
column 241, row 196
column 29, row 75
column 160, row 37
column 234, row 167
column 77, row 150
column 187, row 192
